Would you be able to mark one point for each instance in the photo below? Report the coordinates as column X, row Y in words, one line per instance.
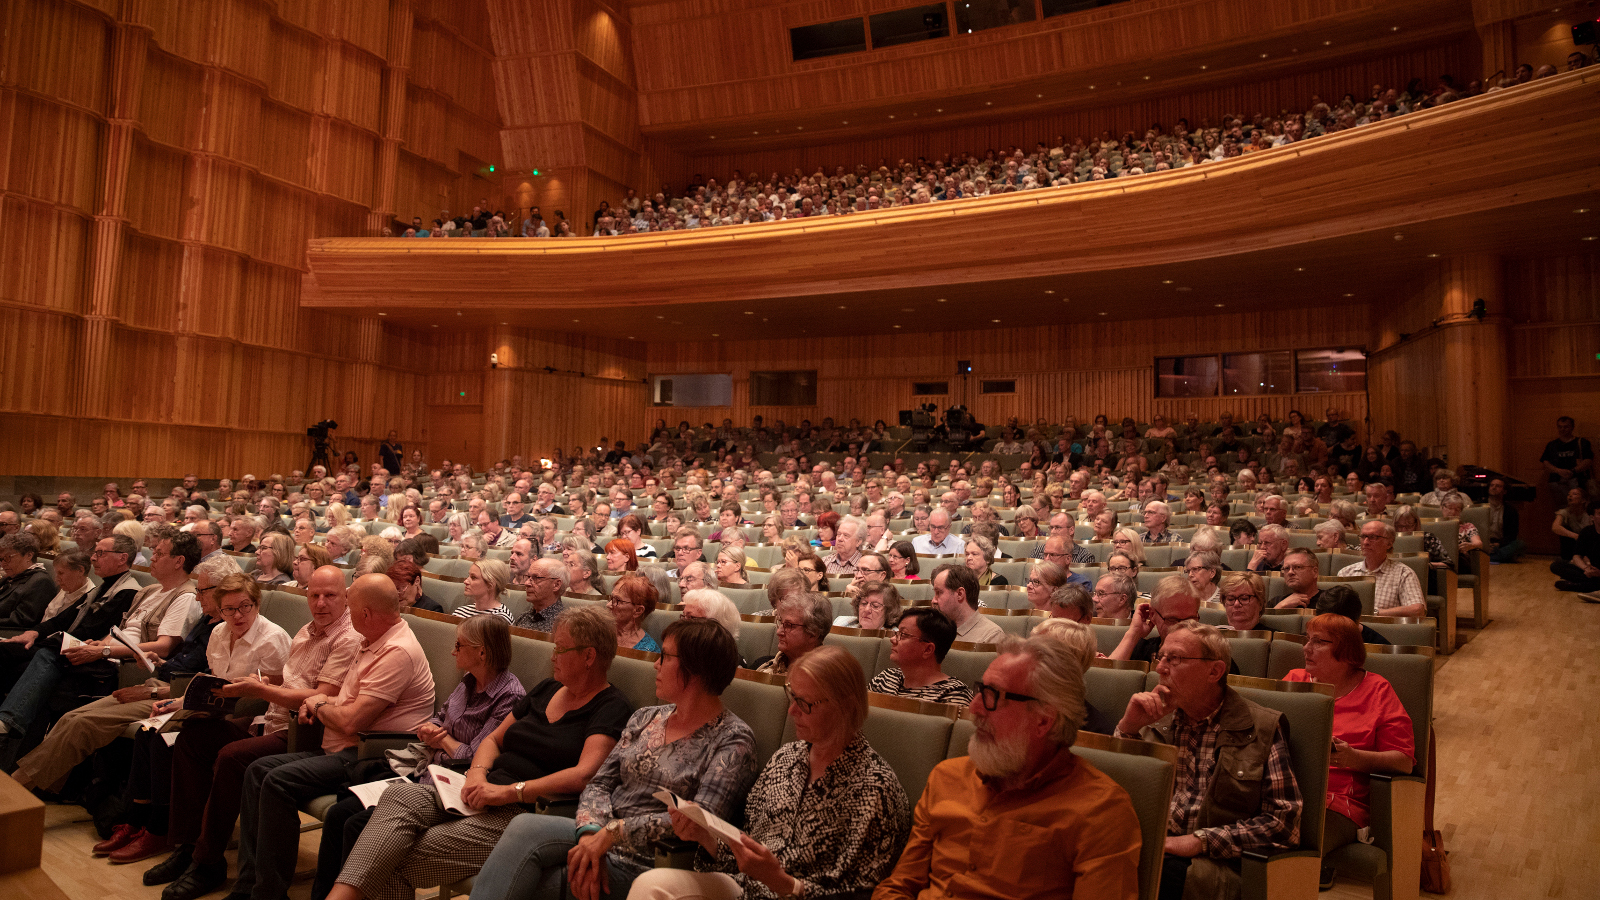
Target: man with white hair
column 1091, row 505
column 1021, row 779
column 1222, row 806
column 846, row 547
column 707, row 603
column 938, row 540
column 1398, row 592
column 1156, row 516
column 547, row 581
column 1272, row 542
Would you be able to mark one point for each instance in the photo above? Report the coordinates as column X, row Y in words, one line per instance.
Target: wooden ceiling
column 1339, row 220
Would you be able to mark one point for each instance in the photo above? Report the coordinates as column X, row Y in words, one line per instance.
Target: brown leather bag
column 1435, row 858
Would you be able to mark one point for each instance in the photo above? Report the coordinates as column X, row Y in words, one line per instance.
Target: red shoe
column 120, row 836
column 143, row 846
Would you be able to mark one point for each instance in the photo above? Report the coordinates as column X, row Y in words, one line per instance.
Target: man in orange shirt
column 1021, row 817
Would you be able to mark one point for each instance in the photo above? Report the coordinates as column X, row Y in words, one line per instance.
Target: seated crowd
column 825, row 815
column 745, row 198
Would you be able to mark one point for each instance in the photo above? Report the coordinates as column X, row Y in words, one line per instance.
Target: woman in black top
column 549, row 747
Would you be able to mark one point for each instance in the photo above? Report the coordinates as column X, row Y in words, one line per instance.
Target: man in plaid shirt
column 1235, row 789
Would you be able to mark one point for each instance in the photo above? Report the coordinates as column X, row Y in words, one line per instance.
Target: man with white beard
column 1063, row 827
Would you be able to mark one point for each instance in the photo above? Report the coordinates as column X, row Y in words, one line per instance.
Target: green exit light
column 463, row 393
column 491, row 168
column 535, row 171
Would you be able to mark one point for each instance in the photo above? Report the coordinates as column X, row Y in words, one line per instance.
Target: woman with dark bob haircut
column 690, row 746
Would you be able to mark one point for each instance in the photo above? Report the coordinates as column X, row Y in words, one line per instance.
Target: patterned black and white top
column 713, row 767
column 840, row 834
column 893, row 681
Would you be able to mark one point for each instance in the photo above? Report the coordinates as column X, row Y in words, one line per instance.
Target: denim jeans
column 530, row 861
column 32, row 690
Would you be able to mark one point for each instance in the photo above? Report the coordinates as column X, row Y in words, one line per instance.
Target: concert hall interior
column 531, row 228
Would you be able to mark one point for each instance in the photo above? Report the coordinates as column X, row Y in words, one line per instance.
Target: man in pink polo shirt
column 389, row 688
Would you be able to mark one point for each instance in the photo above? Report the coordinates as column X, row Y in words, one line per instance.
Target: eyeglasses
column 234, row 610
column 1238, row 599
column 1172, row 659
column 1036, row 582
column 1190, row 570
column 990, row 696
column 871, row 604
column 459, row 645
column 900, row 634
column 805, row 706
column 790, row 626
column 1299, row 567
column 1119, row 568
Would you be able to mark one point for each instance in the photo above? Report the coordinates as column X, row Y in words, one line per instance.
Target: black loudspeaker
column 963, row 367
column 1583, row 34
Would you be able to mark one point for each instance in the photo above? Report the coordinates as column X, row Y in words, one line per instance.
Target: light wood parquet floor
column 1518, row 726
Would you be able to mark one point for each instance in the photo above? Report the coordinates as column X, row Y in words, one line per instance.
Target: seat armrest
column 1291, row 874
column 303, row 736
column 672, row 853
column 372, row 744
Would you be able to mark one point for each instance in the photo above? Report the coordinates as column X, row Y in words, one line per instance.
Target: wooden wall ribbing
column 1077, row 370
column 162, row 164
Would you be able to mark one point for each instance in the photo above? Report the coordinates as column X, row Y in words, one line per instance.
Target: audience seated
column 1398, row 592
column 1235, row 790
column 692, row 746
column 917, row 647
column 955, row 593
column 1068, row 829
column 26, row 588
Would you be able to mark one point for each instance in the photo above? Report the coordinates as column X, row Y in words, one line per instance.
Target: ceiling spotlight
column 1102, row 314
column 1219, row 305
column 1433, row 256
column 894, row 326
column 748, row 312
column 940, row 300
column 1049, row 292
column 1581, row 209
column 1299, row 268
column 891, row 116
column 1349, row 295
column 385, row 314
column 994, row 320
column 1166, row 281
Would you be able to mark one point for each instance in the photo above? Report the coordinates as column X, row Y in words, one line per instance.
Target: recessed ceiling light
column 1349, row 295
column 632, row 338
column 845, row 122
column 994, row 320
column 1219, row 305
column 748, row 312
column 1147, row 78
column 1433, row 256
column 436, row 326
column 1327, row 43
column 574, row 320
column 505, row 323
column 1299, row 268
column 713, row 137
column 383, row 314
column 841, row 307
column 939, row 110
column 458, row 312
column 1102, row 314
column 1263, row 56
column 1041, row 95
column 1589, row 238
column 661, row 317
column 799, row 128
column 988, row 103
column 894, row 326
column 1049, row 292
column 755, row 132
column 940, row 300
column 1091, row 87
column 1166, row 281
column 714, row 334
column 1394, row 28
column 891, row 116
column 1581, row 209
column 1203, row 68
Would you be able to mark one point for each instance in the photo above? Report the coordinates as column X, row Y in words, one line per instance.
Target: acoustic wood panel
column 212, row 140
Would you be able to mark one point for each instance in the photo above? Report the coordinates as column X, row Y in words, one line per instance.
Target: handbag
column 1435, row 858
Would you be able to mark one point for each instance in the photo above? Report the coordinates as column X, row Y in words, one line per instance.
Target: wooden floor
column 1519, row 755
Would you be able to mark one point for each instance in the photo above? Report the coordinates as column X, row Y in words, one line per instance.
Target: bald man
column 213, row 754
column 389, row 688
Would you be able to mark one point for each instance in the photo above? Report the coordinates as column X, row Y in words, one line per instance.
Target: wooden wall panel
column 202, row 287
column 65, row 56
column 42, row 262
column 66, row 177
column 1077, row 370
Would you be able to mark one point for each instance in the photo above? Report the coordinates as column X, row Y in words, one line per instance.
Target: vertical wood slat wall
column 162, row 165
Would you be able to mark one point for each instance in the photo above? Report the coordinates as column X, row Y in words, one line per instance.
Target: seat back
column 1308, row 710
column 967, row 666
column 288, row 611
column 867, row 649
column 1108, row 635
column 911, row 736
column 759, row 699
column 1110, row 683
column 438, row 640
column 444, row 590
column 1409, row 670
column 748, row 600
column 758, row 637
column 532, row 661
column 1250, row 649
column 1404, row 632
column 633, row 672
column 1146, row 771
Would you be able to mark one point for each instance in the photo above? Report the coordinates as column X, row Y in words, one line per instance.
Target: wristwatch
column 614, row 828
column 518, row 788
column 105, row 652
column 154, row 693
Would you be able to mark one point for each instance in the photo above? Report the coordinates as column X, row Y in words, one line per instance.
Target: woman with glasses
column 274, row 556
column 407, row 578
column 1202, row 569
column 1128, row 541
column 876, row 603
column 803, row 622
column 917, row 647
column 1372, row 733
column 829, row 786
column 633, row 598
column 631, row 528
column 548, row 747
column 691, row 746
column 232, row 641
column 902, row 557
column 729, row 567
column 486, row 695
column 979, row 555
column 1027, row 524
column 486, row 581
column 1051, row 593
column 1120, row 563
column 1244, row 596
column 308, row 558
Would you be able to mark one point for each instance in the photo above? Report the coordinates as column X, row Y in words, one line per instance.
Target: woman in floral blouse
column 692, row 747
column 826, row 818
